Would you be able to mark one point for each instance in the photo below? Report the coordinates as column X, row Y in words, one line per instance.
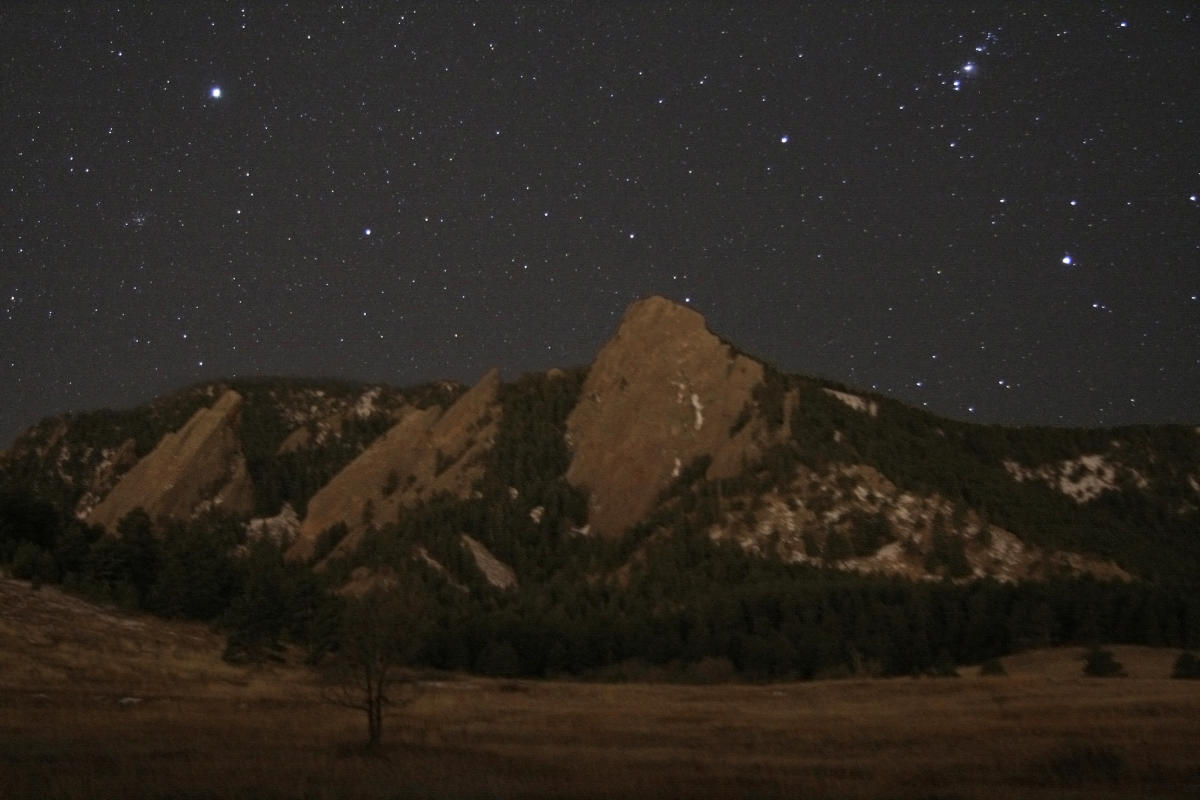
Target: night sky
column 989, row 209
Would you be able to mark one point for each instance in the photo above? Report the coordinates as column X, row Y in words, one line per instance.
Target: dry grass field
column 96, row 703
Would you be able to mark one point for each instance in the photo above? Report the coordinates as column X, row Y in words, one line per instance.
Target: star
column 589, row 187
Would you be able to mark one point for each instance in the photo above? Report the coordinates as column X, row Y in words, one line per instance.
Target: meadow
column 99, row 703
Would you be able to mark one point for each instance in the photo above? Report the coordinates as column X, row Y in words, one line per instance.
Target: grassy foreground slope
column 98, row 703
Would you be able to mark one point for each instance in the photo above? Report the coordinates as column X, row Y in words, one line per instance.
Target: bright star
column 1068, row 259
column 215, row 93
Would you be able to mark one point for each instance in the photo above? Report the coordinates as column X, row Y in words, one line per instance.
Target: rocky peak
column 662, row 393
column 198, row 466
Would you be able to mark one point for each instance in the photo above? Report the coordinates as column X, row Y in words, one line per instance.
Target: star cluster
column 984, row 209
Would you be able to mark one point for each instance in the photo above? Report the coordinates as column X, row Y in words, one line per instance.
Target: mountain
column 669, row 428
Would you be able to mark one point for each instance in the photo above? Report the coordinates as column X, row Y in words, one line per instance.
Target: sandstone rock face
column 495, row 571
column 426, row 452
column 663, row 392
column 197, row 467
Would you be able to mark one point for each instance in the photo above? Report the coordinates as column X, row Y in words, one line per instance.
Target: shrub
column 499, row 658
column 1085, row 762
column 1100, row 663
column 33, row 563
column 943, row 666
column 712, row 670
column 992, row 667
column 1187, row 666
column 24, row 560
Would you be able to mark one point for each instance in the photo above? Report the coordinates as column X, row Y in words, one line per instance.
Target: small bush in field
column 1085, row 762
column 943, row 666
column 1100, row 663
column 992, row 667
column 1187, row 666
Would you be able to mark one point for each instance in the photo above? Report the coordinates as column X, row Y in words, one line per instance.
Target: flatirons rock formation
column 671, row 427
column 200, row 466
column 662, row 393
column 428, row 451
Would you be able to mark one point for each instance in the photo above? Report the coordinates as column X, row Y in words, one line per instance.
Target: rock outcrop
column 495, row 571
column 428, row 451
column 200, row 466
column 664, row 392
column 280, row 529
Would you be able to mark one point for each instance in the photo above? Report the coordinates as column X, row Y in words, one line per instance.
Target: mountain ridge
column 670, row 425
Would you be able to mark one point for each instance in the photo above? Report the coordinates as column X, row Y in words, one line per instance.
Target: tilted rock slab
column 198, row 466
column 426, row 452
column 495, row 571
column 663, row 392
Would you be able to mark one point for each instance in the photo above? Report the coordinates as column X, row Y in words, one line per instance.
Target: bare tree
column 379, row 632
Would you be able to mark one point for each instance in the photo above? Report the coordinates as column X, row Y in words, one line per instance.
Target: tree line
column 690, row 601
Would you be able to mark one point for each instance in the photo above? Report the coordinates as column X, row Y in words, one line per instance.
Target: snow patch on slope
column 365, row 406
column 868, row 407
column 1082, row 479
column 281, row 528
